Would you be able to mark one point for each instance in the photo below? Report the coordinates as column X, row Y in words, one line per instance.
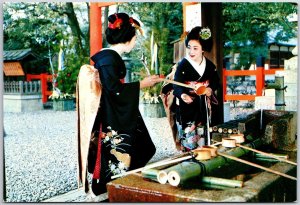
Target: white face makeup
column 195, row 51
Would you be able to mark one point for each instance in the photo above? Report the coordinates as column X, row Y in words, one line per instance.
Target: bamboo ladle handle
column 200, row 90
column 267, row 154
column 256, row 165
column 176, row 83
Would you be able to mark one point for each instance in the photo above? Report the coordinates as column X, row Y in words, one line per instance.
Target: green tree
column 246, row 27
column 42, row 26
column 165, row 21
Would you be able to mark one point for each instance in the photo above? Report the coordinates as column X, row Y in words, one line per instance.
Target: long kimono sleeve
column 120, row 100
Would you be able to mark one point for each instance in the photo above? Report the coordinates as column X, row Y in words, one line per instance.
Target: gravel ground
column 40, row 152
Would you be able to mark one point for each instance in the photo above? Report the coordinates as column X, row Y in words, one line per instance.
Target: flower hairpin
column 205, row 33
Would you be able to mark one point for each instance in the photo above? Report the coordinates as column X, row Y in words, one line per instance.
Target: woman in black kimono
column 192, row 110
column 124, row 143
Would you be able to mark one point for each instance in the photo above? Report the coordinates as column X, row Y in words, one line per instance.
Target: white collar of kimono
column 199, row 68
column 110, row 49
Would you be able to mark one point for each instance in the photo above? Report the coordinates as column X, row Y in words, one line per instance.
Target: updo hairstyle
column 121, row 28
column 201, row 34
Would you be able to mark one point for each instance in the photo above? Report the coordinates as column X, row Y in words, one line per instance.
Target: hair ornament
column 116, row 24
column 205, row 33
column 184, row 35
column 135, row 25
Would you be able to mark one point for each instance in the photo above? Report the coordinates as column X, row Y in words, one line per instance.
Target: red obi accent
column 193, row 83
column 97, row 169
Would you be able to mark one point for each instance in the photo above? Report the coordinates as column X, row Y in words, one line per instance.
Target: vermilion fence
column 44, row 78
column 260, row 74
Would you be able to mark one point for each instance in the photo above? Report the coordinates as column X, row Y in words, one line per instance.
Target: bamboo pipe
column 156, row 164
column 256, row 165
column 225, row 130
column 150, row 174
column 222, row 182
column 209, row 165
column 282, row 156
column 266, row 159
column 215, row 128
column 162, row 175
column 267, row 154
column 235, row 130
column 183, row 172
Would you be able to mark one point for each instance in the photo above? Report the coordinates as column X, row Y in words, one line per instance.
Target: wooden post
column 225, row 60
column 44, row 87
column 211, row 16
column 95, row 29
column 260, row 77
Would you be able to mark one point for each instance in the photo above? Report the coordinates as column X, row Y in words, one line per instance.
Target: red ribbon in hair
column 131, row 20
column 135, row 25
column 116, row 24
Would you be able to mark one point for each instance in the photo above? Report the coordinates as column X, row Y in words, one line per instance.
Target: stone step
column 77, row 195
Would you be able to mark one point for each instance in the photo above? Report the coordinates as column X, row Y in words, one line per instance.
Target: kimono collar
column 199, row 68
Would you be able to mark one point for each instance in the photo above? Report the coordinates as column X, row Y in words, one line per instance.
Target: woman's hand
column 208, row 92
column 186, row 98
column 149, row 81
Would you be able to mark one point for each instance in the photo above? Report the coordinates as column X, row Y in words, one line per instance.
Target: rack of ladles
column 230, row 127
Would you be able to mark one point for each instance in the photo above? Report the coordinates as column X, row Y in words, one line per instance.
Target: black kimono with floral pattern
column 196, row 112
column 125, row 141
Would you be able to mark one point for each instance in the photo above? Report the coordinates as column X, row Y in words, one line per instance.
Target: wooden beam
column 105, row 4
column 95, row 29
column 239, row 97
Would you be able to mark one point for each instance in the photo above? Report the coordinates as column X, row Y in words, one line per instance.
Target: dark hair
column 205, row 41
column 121, row 28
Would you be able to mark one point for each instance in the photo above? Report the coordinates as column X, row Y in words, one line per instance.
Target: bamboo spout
column 279, row 91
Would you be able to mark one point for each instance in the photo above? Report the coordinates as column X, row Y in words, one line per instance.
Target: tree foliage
column 165, row 21
column 246, row 27
column 42, row 26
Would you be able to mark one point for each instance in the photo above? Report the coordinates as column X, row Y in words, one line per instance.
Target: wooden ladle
column 202, row 154
column 212, row 149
